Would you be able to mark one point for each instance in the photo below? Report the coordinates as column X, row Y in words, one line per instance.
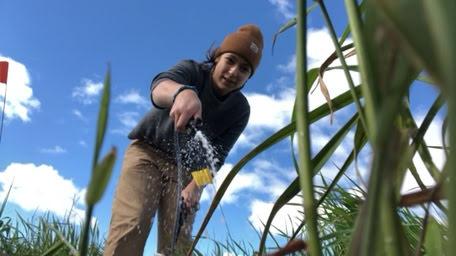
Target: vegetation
column 47, row 234
column 396, row 43
column 44, row 235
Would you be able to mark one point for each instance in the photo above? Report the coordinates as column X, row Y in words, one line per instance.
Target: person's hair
column 210, row 55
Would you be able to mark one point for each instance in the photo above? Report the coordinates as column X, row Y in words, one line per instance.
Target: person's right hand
column 186, row 105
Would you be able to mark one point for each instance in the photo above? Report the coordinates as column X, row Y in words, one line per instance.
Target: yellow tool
column 202, row 177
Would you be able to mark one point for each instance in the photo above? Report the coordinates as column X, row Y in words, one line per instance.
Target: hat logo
column 254, row 47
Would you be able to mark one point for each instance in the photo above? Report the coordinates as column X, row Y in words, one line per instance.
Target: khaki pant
column 147, row 184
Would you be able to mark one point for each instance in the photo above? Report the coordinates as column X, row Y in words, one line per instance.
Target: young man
column 209, row 91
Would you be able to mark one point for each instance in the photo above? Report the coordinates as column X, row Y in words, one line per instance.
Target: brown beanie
column 247, row 41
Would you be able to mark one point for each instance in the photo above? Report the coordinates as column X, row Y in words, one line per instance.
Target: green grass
column 396, row 44
column 45, row 234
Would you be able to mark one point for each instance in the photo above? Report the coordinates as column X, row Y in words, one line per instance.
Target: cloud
column 241, row 182
column 88, row 92
column 289, row 67
column 128, row 121
column 288, row 217
column 133, row 97
column 270, row 112
column 266, row 177
column 54, row 150
column 79, row 115
column 31, row 190
column 19, row 93
column 284, row 7
column 319, row 48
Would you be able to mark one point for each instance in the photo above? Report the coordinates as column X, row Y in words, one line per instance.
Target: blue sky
column 59, row 52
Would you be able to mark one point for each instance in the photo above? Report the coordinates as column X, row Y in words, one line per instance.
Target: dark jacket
column 223, row 119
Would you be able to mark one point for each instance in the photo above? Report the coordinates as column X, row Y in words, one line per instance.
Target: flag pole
column 3, row 78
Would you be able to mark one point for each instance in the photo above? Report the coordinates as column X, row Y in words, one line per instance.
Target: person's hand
column 191, row 194
column 186, row 105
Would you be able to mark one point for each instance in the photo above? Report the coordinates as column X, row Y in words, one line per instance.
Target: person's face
column 231, row 71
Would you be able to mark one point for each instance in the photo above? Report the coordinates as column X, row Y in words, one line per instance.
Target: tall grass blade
column 289, row 24
column 339, row 102
column 102, row 117
column 101, row 172
column 344, row 65
column 100, row 177
column 318, row 162
column 346, row 32
column 364, row 62
column 62, row 238
column 433, row 241
column 302, row 127
column 323, row 68
column 5, row 200
column 54, row 249
column 312, row 75
column 443, row 28
column 336, row 179
column 418, row 142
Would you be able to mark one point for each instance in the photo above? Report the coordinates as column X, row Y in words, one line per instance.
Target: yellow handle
column 202, row 177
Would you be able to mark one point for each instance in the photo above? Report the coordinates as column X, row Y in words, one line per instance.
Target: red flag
column 3, row 71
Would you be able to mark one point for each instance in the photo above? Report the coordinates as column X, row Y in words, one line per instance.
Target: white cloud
column 273, row 111
column 289, row 67
column 41, row 188
column 88, row 92
column 133, row 97
column 19, row 94
column 319, row 48
column 274, row 178
column 241, row 182
column 284, row 7
column 265, row 177
column 285, row 220
column 55, row 150
column 79, row 115
column 128, row 121
column 83, row 143
column 270, row 112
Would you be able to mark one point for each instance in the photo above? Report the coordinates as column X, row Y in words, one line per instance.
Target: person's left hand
column 191, row 194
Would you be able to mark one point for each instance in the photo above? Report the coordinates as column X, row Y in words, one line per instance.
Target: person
column 209, row 91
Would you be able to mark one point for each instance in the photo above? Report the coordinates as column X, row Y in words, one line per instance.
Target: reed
column 396, row 43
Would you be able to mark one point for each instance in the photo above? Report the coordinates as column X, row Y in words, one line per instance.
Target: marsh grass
column 49, row 235
column 44, row 234
column 395, row 43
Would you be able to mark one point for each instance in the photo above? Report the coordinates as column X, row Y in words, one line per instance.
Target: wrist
column 183, row 88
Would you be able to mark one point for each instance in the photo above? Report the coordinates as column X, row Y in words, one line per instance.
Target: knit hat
column 247, row 41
